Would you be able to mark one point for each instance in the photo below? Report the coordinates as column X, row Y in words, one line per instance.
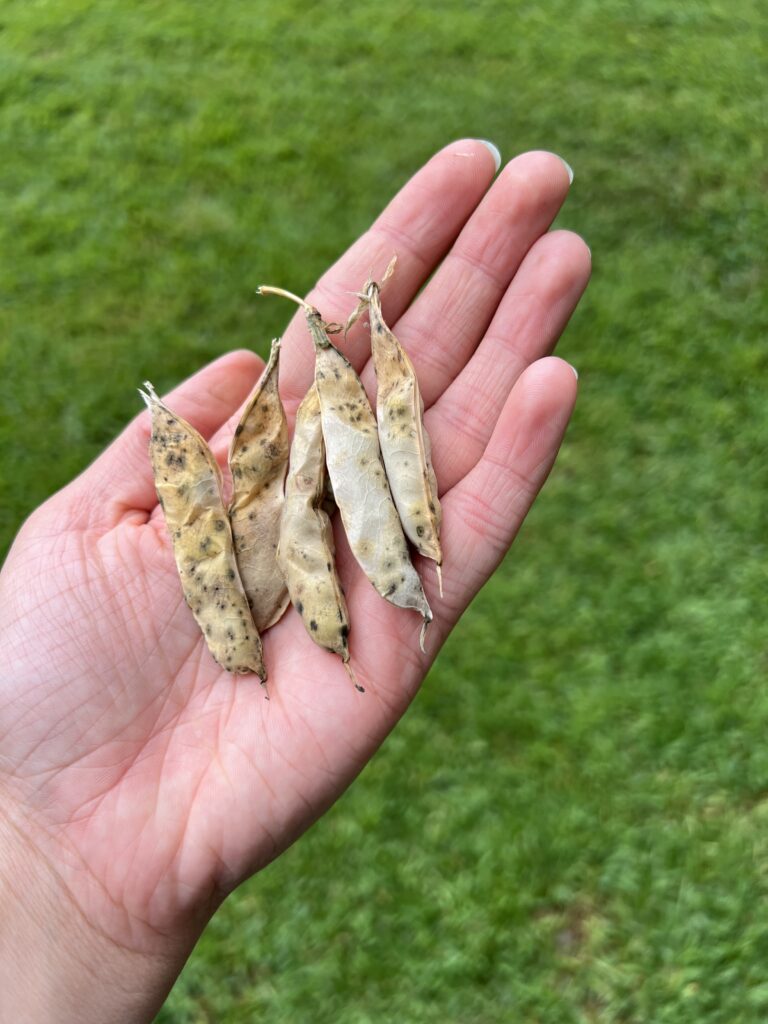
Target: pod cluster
column 241, row 565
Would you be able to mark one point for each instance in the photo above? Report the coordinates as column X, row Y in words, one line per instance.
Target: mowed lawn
column 571, row 822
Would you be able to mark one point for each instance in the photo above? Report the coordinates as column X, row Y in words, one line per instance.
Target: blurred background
column 571, row 822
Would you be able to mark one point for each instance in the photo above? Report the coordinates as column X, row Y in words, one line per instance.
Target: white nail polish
column 494, row 150
column 570, row 171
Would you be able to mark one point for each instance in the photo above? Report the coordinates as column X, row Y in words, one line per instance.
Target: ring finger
column 527, row 324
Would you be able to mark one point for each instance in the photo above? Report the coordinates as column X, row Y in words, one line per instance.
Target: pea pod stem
column 266, row 289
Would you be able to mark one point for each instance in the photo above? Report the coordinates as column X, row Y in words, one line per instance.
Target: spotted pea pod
column 405, row 444
column 306, row 550
column 188, row 483
column 258, row 459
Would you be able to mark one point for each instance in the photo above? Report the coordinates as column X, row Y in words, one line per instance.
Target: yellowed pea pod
column 258, row 458
column 405, row 444
column 188, row 483
column 306, row 550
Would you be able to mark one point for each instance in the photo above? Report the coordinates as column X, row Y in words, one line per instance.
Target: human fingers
column 483, row 512
column 526, row 326
column 448, row 319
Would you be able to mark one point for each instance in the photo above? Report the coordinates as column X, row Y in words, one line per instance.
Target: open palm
column 151, row 781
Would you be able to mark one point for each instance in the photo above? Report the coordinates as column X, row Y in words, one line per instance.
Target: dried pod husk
column 188, row 482
column 405, row 444
column 359, row 479
column 306, row 551
column 258, row 459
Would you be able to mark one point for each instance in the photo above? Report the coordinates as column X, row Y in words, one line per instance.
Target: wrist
column 54, row 965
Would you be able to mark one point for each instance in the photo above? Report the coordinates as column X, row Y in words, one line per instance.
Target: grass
column 571, row 824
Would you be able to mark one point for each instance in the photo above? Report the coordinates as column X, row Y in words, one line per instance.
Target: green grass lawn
column 571, row 823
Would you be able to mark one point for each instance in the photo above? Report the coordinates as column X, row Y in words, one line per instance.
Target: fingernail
column 575, row 371
column 494, row 152
column 570, row 171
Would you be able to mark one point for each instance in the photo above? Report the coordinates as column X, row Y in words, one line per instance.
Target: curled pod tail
column 353, row 677
column 423, row 633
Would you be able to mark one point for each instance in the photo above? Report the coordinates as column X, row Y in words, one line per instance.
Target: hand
column 139, row 783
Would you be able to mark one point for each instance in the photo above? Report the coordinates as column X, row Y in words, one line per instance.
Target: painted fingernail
column 494, row 150
column 570, row 171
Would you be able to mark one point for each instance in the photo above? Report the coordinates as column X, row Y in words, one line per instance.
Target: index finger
column 420, row 223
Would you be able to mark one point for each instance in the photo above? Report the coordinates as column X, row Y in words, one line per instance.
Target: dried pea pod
column 306, row 551
column 357, row 474
column 188, row 482
column 404, row 442
column 258, row 458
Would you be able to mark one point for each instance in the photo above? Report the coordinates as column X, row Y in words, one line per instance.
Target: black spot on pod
column 238, row 429
column 344, row 631
column 313, row 625
column 219, row 525
column 420, row 531
column 299, row 607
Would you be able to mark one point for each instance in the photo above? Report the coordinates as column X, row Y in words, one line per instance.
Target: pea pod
column 306, row 550
column 405, row 444
column 188, row 482
column 258, row 458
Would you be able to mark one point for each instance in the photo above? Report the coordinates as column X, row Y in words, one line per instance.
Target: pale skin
column 139, row 783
